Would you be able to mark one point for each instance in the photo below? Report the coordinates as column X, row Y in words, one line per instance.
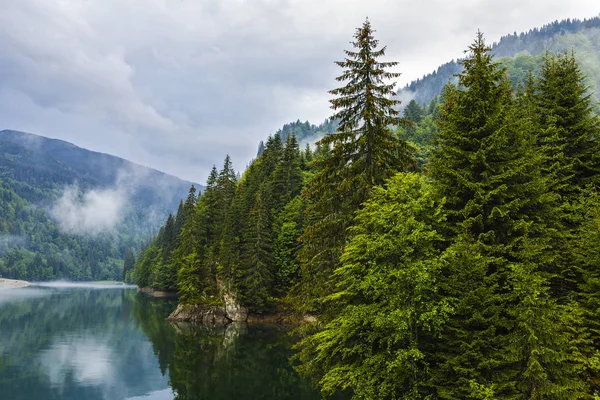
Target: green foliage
column 229, row 233
column 507, row 335
column 473, row 277
column 128, row 264
column 34, row 173
column 362, row 153
column 389, row 309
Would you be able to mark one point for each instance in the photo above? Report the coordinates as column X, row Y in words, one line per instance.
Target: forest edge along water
column 108, row 342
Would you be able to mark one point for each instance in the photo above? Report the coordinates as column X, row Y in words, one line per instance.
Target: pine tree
column 568, row 122
column 179, row 220
column 569, row 136
column 307, row 157
column 224, row 190
column 287, row 176
column 488, row 169
column 413, row 112
column 190, row 201
column 364, row 153
column 256, row 269
column 208, row 208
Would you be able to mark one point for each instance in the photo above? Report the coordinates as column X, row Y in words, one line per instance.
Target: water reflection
column 85, row 343
column 232, row 362
column 85, row 360
column 74, row 344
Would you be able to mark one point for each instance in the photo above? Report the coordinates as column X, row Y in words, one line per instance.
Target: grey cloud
column 177, row 84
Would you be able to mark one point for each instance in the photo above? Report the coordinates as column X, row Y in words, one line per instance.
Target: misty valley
column 435, row 241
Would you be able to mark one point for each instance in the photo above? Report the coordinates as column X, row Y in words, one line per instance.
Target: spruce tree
column 413, row 112
column 488, row 169
column 569, row 123
column 390, row 311
column 361, row 154
column 569, row 136
column 287, row 176
column 256, row 269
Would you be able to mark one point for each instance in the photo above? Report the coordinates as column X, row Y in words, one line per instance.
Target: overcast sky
column 178, row 84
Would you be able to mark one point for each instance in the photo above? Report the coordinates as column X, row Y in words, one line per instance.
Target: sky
column 177, row 84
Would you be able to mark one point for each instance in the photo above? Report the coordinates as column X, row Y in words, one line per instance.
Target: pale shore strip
column 11, row 283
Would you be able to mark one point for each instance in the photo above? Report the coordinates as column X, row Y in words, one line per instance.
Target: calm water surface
column 112, row 344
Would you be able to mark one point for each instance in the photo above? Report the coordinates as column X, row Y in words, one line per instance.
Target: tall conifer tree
column 506, row 338
column 364, row 153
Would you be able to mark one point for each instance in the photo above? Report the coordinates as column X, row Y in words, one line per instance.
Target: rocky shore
column 157, row 293
column 11, row 283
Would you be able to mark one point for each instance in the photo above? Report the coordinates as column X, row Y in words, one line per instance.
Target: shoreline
column 12, row 283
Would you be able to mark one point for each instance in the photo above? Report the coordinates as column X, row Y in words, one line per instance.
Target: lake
column 109, row 343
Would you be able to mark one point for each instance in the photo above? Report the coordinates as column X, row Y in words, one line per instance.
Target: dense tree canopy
column 468, row 270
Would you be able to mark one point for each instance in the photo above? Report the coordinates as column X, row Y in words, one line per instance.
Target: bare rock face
column 229, row 311
column 206, row 315
column 235, row 312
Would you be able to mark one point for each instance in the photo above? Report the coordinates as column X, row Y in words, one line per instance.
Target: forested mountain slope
column 523, row 52
column 71, row 213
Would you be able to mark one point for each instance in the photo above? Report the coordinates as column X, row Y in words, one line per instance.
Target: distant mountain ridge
column 580, row 36
column 521, row 53
column 71, row 213
column 70, row 164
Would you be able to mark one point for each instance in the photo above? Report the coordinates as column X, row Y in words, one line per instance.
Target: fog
column 83, row 285
column 7, row 241
column 91, row 213
column 101, row 210
column 15, row 294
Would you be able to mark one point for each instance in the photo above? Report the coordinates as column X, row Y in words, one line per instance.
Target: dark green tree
column 569, row 127
column 413, row 112
column 364, row 153
column 507, row 337
column 128, row 263
column 256, row 267
column 287, row 176
column 379, row 345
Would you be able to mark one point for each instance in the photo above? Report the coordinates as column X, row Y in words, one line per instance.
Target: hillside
column 524, row 52
column 520, row 53
column 71, row 213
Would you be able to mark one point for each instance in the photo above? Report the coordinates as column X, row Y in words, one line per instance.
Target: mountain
column 71, row 213
column 522, row 53
column 305, row 132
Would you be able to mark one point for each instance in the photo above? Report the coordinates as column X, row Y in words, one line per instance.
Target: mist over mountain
column 519, row 52
column 522, row 53
column 68, row 212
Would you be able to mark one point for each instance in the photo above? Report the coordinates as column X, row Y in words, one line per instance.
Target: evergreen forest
column 448, row 251
column 35, row 174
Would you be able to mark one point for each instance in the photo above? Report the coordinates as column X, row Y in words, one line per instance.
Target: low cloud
column 95, row 211
column 7, row 241
column 91, row 213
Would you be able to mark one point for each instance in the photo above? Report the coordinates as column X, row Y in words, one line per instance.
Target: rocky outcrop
column 157, row 293
column 230, row 311
column 235, row 312
column 200, row 314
